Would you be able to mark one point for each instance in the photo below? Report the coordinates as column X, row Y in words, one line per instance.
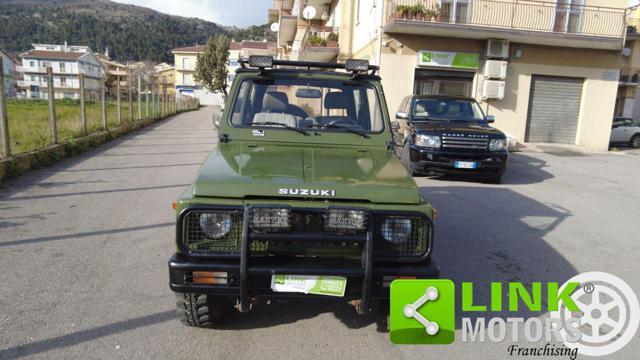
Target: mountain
column 130, row 32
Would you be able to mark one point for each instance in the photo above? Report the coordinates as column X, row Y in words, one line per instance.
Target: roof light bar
column 352, row 65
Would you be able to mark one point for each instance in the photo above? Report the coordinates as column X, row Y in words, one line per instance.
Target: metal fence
column 63, row 113
column 529, row 15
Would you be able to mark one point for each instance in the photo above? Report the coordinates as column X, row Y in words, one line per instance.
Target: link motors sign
column 448, row 59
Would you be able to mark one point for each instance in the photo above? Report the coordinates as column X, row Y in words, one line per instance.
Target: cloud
column 239, row 13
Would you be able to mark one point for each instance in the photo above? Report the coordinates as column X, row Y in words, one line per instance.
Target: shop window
column 443, row 87
column 453, row 88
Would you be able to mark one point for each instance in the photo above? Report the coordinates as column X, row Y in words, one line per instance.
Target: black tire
column 381, row 308
column 200, row 310
column 497, row 179
column 635, row 141
column 406, row 160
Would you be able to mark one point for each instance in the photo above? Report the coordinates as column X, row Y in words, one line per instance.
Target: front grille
column 302, row 222
column 464, row 143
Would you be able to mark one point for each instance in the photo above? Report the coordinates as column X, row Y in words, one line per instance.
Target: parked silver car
column 625, row 131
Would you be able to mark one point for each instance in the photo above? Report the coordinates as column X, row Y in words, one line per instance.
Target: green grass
column 29, row 127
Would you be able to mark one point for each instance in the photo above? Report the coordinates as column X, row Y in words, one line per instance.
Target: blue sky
column 240, row 13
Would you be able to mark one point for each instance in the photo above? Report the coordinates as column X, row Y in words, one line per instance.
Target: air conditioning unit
column 495, row 69
column 493, row 89
column 497, row 49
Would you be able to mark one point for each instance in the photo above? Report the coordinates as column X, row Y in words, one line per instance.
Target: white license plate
column 466, row 165
column 309, row 284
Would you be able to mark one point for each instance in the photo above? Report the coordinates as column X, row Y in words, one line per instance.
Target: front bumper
column 427, row 160
column 260, row 270
column 248, row 275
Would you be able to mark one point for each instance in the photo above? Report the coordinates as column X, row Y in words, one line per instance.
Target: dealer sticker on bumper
column 308, row 284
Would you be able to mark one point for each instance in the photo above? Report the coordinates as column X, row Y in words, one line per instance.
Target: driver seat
column 334, row 101
column 274, row 109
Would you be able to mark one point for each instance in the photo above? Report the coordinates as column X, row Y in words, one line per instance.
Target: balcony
column 43, row 84
column 629, row 78
column 320, row 44
column 522, row 21
column 42, row 70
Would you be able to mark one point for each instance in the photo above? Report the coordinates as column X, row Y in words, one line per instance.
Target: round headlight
column 396, row 230
column 215, row 225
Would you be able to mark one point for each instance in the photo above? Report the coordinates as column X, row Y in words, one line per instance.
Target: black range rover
column 449, row 135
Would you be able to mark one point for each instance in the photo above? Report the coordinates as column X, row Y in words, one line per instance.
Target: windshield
column 447, row 110
column 321, row 105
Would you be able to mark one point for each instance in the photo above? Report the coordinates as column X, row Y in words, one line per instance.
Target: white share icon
column 411, row 310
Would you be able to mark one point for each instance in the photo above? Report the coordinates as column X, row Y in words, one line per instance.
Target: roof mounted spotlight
column 260, row 61
column 356, row 65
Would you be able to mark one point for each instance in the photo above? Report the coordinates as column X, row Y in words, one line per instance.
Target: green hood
column 267, row 170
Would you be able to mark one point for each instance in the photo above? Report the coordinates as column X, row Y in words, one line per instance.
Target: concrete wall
column 367, row 19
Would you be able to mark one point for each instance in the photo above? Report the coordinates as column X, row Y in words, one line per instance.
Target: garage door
column 554, row 105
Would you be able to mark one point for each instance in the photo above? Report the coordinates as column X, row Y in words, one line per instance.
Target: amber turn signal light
column 209, row 277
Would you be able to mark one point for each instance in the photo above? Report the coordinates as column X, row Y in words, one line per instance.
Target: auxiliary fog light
column 345, row 220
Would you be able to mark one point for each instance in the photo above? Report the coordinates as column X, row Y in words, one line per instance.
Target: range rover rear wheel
column 200, row 310
column 406, row 159
column 635, row 141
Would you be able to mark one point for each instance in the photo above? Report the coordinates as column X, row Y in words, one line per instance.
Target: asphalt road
column 84, row 247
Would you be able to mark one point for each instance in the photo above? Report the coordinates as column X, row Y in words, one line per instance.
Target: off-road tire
column 406, row 159
column 201, row 310
column 381, row 309
column 635, row 141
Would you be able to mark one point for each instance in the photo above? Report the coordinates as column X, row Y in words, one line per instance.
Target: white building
column 186, row 59
column 7, row 69
column 67, row 62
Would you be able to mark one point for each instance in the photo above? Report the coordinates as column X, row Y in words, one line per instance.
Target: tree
column 211, row 65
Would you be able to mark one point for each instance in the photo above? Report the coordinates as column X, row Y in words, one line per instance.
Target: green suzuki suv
column 303, row 196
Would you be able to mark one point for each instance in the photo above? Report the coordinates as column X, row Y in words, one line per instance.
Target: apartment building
column 67, row 62
column 185, row 65
column 9, row 77
column 165, row 79
column 114, row 72
column 547, row 70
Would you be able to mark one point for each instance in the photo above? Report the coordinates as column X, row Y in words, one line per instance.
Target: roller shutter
column 554, row 106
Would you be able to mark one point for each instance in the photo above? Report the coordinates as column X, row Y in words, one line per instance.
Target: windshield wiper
column 343, row 127
column 273, row 123
column 429, row 118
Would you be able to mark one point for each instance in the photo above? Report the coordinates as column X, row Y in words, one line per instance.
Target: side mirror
column 216, row 120
column 402, row 115
column 490, row 119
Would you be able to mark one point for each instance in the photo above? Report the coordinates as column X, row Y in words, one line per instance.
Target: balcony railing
column 321, row 36
column 42, row 70
column 44, row 84
column 527, row 15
